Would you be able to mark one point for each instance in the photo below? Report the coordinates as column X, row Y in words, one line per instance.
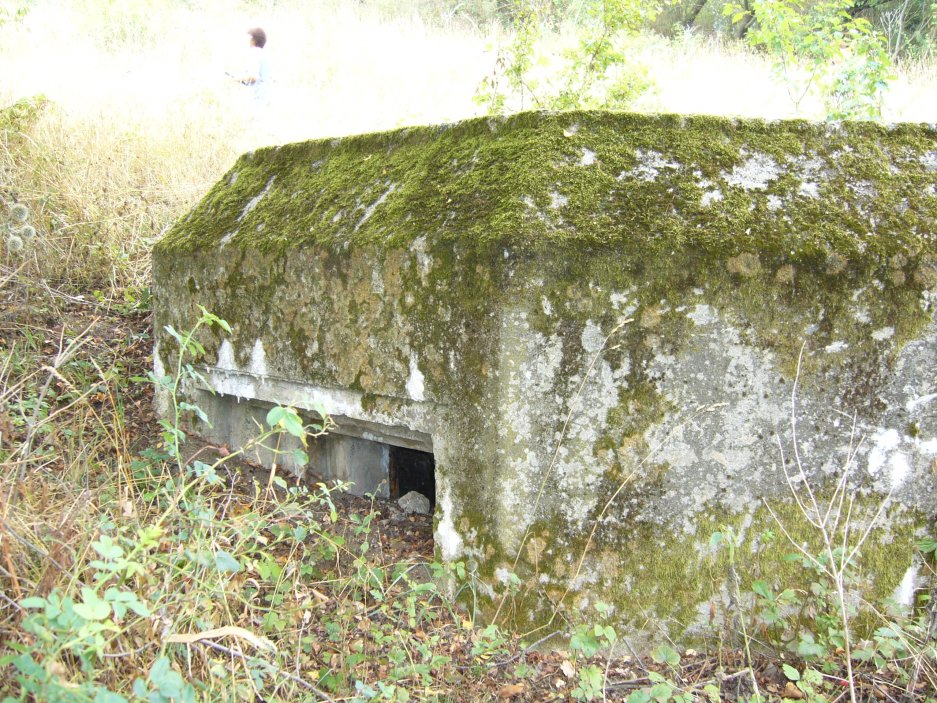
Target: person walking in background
column 257, row 74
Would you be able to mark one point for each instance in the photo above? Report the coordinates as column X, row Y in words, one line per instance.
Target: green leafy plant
column 822, row 47
column 596, row 70
column 67, row 630
column 588, row 640
column 135, row 566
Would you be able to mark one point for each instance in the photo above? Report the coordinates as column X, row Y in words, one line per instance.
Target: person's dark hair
column 259, row 36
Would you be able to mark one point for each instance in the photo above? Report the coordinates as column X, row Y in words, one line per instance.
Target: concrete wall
column 596, row 322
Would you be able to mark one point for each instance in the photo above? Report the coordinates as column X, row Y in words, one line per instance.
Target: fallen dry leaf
column 567, row 668
column 791, row 691
column 57, row 668
column 228, row 631
column 511, row 690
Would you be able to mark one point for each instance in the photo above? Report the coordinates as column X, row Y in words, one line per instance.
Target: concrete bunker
column 593, row 322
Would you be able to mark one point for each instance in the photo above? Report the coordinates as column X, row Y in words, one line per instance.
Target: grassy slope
column 142, row 122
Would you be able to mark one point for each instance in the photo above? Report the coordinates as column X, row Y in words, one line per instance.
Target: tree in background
column 595, row 71
column 910, row 26
column 820, row 46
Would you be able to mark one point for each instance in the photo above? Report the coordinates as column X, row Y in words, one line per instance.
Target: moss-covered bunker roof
column 640, row 183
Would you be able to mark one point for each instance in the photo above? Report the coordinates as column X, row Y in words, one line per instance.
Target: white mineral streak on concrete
column 258, row 365
column 163, row 401
column 415, row 387
column 252, row 203
column 425, row 260
column 836, row 347
column 880, row 335
column 755, row 174
column 588, row 157
column 238, row 385
column 335, row 401
column 377, row 282
column 862, row 315
column 226, row 357
column 449, row 541
column 159, row 369
column 904, row 593
column 928, row 447
column 373, row 206
column 774, row 203
column 547, row 307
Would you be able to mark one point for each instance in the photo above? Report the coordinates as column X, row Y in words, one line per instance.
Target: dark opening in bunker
column 412, row 470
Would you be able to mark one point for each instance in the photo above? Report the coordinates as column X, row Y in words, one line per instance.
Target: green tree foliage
column 821, row 47
column 594, row 71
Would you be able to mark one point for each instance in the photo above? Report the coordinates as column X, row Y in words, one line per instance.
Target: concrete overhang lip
column 344, row 407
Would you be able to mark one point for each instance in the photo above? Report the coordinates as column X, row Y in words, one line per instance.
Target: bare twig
column 65, row 354
column 12, row 602
column 832, row 523
column 246, row 657
column 573, row 408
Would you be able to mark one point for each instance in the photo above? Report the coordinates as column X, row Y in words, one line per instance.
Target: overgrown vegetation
column 137, row 565
column 816, row 47
column 594, row 70
column 821, row 47
column 144, row 570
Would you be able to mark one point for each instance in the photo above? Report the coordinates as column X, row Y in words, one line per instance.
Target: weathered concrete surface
column 595, row 322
